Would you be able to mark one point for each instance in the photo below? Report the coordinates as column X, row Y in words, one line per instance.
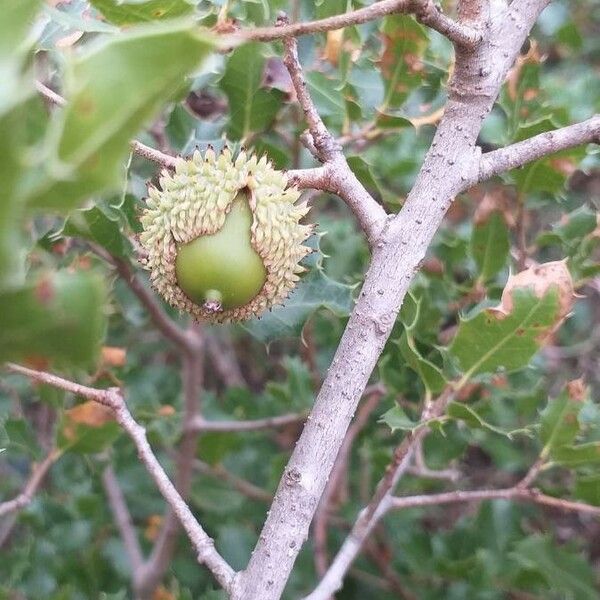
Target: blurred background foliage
column 69, row 184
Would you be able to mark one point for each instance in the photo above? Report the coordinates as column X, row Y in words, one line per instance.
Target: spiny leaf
column 490, row 245
column 251, row 107
column 490, row 340
column 314, row 291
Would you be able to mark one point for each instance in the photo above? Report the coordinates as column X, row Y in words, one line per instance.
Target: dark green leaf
column 252, row 107
column 490, row 245
column 565, row 572
column 559, row 420
column 127, row 12
column 491, row 340
column 314, row 291
column 431, row 375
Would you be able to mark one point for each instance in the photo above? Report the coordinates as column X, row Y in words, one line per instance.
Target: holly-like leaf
column 100, row 225
column 404, row 42
column 492, row 340
column 17, row 435
column 431, row 375
column 577, row 456
column 565, row 572
column 90, row 140
column 58, row 318
column 490, row 245
column 559, row 422
column 465, row 413
column 396, row 419
column 122, row 12
column 252, row 107
column 314, row 291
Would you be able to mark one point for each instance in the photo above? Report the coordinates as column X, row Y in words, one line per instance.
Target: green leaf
column 59, row 317
column 252, row 108
column 397, row 419
column 432, row 376
column 587, row 488
column 128, row 13
column 404, row 43
column 16, row 107
column 327, row 97
column 90, row 440
column 463, row 412
column 364, row 173
column 17, row 435
column 98, row 225
column 90, row 141
column 567, row 574
column 314, row 291
column 17, row 18
column 491, row 340
column 559, row 422
column 577, row 456
column 490, row 245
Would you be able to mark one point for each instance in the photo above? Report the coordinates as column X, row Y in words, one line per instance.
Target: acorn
column 223, row 237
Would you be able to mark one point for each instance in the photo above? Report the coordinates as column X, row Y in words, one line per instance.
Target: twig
column 221, row 353
column 31, row 487
column 426, row 11
column 159, row 317
column 113, row 398
column 123, row 520
column 151, row 154
column 49, row 94
column 244, row 487
column 335, row 176
column 162, row 552
column 429, row 13
column 513, row 493
column 199, row 423
column 137, row 147
column 538, row 146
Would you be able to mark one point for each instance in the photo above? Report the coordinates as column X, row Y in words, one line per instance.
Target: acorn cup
column 223, row 236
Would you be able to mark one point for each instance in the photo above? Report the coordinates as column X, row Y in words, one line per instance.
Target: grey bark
column 451, row 166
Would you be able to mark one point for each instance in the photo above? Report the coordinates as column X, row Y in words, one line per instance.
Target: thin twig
column 31, row 487
column 539, row 146
column 244, row 487
column 160, row 558
column 113, row 398
column 379, row 503
column 513, row 493
column 335, row 176
column 199, row 423
column 427, row 12
column 119, row 509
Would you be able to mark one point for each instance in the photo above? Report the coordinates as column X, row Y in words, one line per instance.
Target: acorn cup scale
column 223, row 237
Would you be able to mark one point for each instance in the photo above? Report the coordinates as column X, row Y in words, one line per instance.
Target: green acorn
column 223, row 237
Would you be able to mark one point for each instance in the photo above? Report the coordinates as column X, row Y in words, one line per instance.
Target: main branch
column 451, row 166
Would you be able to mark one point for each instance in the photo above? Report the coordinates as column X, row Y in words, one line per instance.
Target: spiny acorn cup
column 223, row 236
